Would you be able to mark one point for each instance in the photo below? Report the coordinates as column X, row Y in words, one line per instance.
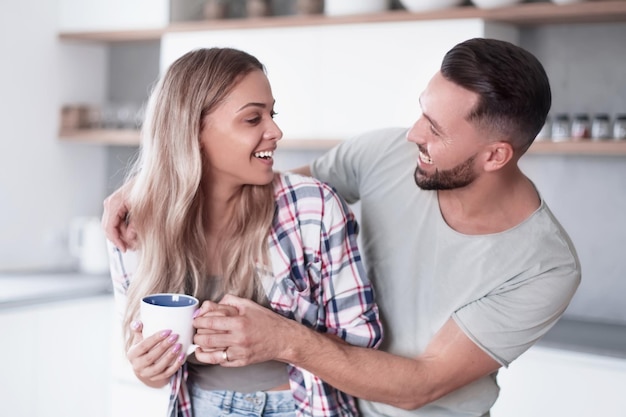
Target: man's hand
column 115, row 220
column 249, row 332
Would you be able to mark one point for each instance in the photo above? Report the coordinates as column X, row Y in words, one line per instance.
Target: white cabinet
column 18, row 375
column 130, row 397
column 547, row 382
column 56, row 359
column 334, row 81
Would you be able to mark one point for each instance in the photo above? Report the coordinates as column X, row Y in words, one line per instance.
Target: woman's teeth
column 264, row 154
column 425, row 159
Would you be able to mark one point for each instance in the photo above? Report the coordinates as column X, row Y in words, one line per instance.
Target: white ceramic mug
column 170, row 311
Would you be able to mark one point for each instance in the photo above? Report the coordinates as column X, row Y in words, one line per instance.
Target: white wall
column 585, row 64
column 43, row 183
column 88, row 15
column 332, row 82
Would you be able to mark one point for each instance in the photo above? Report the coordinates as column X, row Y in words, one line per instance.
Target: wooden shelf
column 126, row 137
column 521, row 14
column 606, row 147
column 121, row 137
column 129, row 137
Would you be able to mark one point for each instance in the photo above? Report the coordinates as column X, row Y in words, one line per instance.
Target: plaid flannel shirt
column 317, row 279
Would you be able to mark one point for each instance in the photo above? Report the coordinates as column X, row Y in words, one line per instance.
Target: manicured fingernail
column 165, row 333
column 135, row 324
column 177, row 348
column 172, row 338
column 181, row 358
column 196, row 313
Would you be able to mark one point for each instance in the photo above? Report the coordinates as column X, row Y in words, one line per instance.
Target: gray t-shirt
column 505, row 290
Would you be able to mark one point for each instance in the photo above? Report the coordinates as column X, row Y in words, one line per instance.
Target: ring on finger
column 225, row 355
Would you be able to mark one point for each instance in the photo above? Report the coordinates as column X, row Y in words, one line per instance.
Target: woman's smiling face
column 240, row 136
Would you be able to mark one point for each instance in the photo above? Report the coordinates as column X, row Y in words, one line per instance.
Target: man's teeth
column 425, row 158
column 264, row 154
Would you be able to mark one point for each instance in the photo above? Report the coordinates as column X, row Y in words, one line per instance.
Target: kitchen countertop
column 23, row 289
column 579, row 335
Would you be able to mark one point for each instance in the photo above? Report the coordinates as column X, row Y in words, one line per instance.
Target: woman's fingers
column 156, row 357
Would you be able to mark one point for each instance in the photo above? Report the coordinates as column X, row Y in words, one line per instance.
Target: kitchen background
column 47, row 182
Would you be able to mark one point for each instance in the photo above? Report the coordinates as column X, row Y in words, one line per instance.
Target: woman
column 212, row 218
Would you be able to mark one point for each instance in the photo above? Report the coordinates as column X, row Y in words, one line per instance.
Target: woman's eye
column 273, row 114
column 433, row 131
column 254, row 120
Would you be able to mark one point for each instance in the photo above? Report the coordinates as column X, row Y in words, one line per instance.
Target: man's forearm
column 257, row 334
column 449, row 362
column 362, row 372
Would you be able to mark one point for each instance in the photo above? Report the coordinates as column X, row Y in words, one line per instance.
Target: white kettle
column 88, row 243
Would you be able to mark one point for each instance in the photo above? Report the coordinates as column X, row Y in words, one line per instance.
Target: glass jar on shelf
column 581, row 127
column 619, row 127
column 601, row 127
column 561, row 128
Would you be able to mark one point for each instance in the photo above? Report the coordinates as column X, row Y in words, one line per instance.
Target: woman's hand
column 156, row 358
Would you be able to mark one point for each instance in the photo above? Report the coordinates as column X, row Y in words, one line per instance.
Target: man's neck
column 491, row 204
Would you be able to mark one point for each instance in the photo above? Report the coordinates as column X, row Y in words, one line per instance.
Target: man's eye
column 433, row 131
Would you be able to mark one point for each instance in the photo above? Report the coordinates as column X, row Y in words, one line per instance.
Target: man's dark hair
column 513, row 88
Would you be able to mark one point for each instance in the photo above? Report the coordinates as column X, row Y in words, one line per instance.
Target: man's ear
column 498, row 155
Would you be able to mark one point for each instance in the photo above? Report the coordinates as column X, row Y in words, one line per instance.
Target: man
column 470, row 267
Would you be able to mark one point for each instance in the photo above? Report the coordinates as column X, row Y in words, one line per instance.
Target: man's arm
column 450, row 361
column 303, row 170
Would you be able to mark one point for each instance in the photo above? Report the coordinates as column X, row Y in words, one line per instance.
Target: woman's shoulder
column 300, row 186
column 306, row 196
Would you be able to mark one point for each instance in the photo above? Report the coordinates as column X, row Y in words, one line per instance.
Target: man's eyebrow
column 430, row 119
column 433, row 122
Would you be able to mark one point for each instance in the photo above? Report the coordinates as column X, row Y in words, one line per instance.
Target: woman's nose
column 273, row 132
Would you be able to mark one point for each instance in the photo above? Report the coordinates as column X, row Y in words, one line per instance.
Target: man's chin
column 425, row 183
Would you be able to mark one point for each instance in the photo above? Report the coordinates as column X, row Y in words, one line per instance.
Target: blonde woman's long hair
column 167, row 199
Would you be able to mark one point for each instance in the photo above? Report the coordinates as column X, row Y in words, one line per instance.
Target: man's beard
column 460, row 176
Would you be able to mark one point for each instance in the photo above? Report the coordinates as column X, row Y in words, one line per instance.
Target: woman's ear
column 499, row 154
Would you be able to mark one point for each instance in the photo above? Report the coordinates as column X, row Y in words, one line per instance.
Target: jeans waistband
column 254, row 402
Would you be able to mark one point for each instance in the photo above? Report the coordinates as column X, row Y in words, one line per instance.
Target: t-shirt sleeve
column 510, row 319
column 345, row 166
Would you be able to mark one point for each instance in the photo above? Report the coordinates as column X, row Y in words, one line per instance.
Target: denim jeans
column 239, row 404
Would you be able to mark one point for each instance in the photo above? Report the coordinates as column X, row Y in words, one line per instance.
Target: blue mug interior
column 170, row 300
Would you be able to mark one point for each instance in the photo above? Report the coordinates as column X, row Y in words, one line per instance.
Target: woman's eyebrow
column 254, row 104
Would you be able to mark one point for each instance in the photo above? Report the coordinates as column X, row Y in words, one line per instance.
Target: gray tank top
column 258, row 377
